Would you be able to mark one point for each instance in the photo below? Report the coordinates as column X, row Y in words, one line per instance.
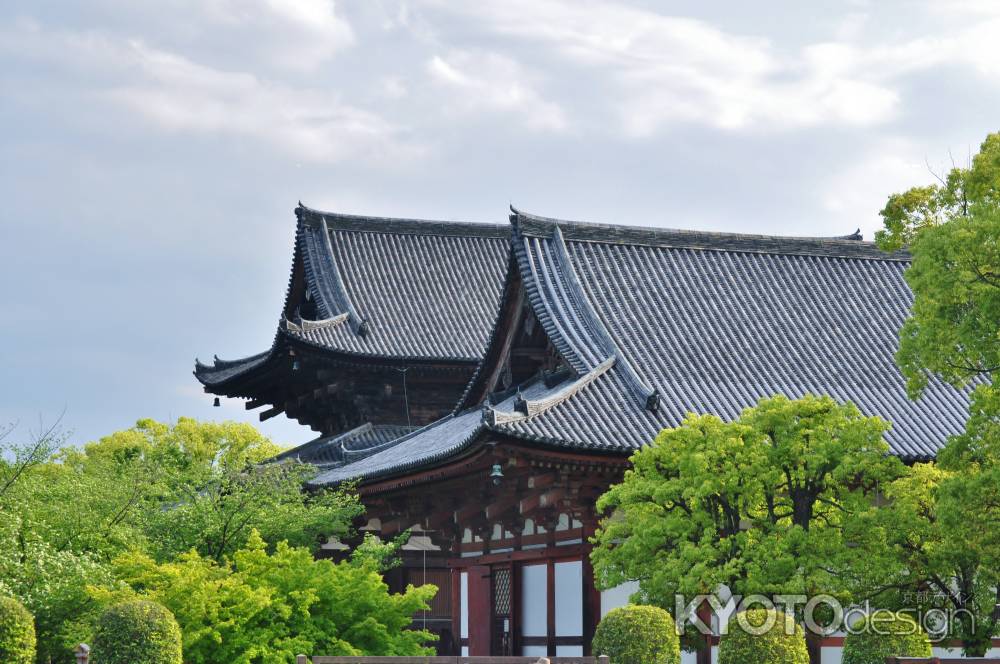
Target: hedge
column 635, row 634
column 137, row 632
column 783, row 643
column 889, row 635
column 17, row 633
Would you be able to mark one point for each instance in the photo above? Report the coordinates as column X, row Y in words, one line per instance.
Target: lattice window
column 501, row 592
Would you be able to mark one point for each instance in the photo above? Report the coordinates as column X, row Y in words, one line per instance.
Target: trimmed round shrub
column 884, row 634
column 636, row 634
column 137, row 632
column 17, row 633
column 770, row 637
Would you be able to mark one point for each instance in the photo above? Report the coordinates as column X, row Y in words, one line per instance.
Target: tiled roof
column 392, row 288
column 711, row 323
column 409, row 288
column 659, row 323
column 222, row 370
column 333, row 451
column 436, row 441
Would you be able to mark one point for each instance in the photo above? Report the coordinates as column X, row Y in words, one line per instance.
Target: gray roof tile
column 439, row 440
column 711, row 322
column 717, row 324
column 331, row 451
column 392, row 288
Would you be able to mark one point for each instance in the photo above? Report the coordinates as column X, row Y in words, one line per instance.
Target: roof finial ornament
column 520, row 403
column 653, row 401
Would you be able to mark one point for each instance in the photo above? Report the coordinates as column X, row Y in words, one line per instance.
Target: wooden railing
column 302, row 659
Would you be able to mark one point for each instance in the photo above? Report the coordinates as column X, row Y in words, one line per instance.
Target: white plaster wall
column 569, row 598
column 464, row 600
column 534, row 618
column 617, row 596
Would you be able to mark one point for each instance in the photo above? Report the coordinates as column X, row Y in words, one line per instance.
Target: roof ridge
column 647, row 395
column 567, row 314
column 843, row 246
column 323, row 279
column 401, row 225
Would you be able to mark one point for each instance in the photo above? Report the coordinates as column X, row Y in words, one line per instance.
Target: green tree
column 882, row 634
column 137, row 632
column 17, row 633
column 952, row 230
column 635, row 634
column 763, row 504
column 66, row 513
column 262, row 607
column 51, row 583
column 760, row 636
column 216, row 490
column 930, row 528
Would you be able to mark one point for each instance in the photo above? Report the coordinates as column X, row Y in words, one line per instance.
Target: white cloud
column 490, row 82
column 860, row 191
column 296, row 34
column 288, row 35
column 668, row 70
column 178, row 94
column 173, row 93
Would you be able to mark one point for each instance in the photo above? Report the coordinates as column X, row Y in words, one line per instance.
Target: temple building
column 483, row 384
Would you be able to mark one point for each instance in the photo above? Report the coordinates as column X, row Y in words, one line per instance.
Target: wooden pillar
column 550, row 606
column 704, row 654
column 591, row 595
column 456, row 610
column 480, row 610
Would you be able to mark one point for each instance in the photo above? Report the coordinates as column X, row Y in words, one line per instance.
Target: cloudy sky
column 152, row 152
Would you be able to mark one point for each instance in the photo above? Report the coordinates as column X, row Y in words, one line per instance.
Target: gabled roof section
column 400, row 287
column 712, row 322
column 384, row 288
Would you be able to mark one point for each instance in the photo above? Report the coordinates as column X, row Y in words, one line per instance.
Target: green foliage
column 907, row 215
column 262, row 607
column 954, row 323
column 51, row 583
column 931, row 528
column 17, row 633
column 215, row 490
column 953, row 233
column 638, row 635
column 137, row 633
column 783, row 643
column 66, row 514
column 760, row 504
column 884, row 634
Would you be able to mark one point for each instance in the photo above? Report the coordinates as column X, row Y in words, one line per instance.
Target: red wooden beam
column 541, row 500
column 498, row 507
column 465, row 513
